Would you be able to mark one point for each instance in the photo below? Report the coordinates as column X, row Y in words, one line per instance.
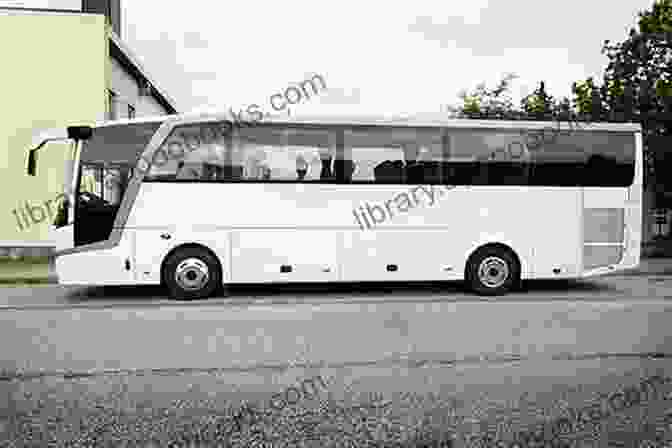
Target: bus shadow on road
column 348, row 292
column 566, row 285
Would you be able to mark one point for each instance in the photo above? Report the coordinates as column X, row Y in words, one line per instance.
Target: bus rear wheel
column 492, row 271
column 191, row 273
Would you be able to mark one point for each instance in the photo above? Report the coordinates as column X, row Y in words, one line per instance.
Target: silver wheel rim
column 192, row 274
column 493, row 272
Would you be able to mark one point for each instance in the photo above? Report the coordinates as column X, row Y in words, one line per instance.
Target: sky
column 375, row 56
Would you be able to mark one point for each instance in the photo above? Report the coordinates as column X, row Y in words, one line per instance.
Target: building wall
column 125, row 88
column 150, row 106
column 127, row 91
column 53, row 75
column 68, row 5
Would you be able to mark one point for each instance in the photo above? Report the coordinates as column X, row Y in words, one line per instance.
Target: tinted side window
column 502, row 157
column 213, row 151
column 391, row 155
column 590, row 159
column 486, row 157
column 388, row 155
column 291, row 154
column 193, row 152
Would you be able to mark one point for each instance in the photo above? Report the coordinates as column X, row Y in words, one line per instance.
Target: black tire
column 200, row 274
column 501, row 271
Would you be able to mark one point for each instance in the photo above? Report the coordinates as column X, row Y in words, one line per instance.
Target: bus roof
column 417, row 120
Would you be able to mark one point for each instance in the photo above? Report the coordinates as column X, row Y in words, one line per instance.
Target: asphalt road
column 613, row 287
column 97, row 365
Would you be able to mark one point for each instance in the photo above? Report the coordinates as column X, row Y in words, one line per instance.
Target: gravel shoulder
column 402, row 406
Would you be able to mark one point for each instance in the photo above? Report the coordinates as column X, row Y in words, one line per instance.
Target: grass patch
column 29, row 270
column 24, row 260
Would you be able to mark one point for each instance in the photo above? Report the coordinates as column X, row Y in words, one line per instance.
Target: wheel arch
column 191, row 245
column 522, row 266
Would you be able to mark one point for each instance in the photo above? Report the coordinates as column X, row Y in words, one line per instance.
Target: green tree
column 496, row 103
column 484, row 102
column 583, row 94
column 563, row 110
column 539, row 104
column 638, row 82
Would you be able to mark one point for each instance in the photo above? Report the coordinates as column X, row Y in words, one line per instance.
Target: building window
column 111, row 105
column 131, row 111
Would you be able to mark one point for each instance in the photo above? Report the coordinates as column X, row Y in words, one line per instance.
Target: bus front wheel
column 492, row 270
column 191, row 273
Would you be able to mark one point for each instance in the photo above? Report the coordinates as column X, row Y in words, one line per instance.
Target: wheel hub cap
column 192, row 274
column 493, row 272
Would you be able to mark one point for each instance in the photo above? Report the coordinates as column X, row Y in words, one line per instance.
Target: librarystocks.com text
column 378, row 213
column 250, row 117
column 37, row 213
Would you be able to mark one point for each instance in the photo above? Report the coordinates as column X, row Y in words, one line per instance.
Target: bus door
column 101, row 189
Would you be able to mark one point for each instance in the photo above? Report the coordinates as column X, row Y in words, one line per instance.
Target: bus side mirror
column 32, row 162
column 80, row 132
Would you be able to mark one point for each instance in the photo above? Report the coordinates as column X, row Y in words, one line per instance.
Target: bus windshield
column 118, row 143
column 107, row 165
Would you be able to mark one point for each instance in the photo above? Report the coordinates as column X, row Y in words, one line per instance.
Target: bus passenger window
column 282, row 153
column 301, row 167
column 192, row 152
column 389, row 172
column 310, row 150
column 488, row 157
column 254, row 164
column 188, row 171
column 326, row 162
column 395, row 155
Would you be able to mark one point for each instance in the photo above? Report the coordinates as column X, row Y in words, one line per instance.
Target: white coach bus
column 196, row 203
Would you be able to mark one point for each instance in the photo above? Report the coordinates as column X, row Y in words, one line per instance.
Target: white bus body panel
column 62, row 237
column 633, row 211
column 152, row 248
column 98, row 267
column 633, row 230
column 256, row 229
